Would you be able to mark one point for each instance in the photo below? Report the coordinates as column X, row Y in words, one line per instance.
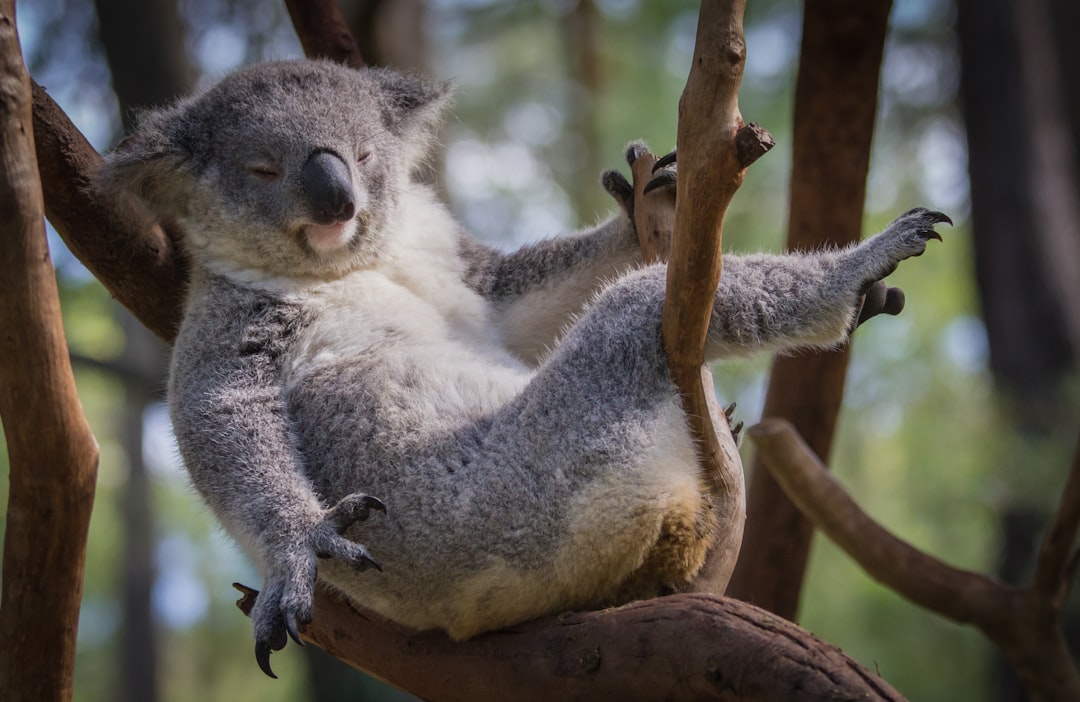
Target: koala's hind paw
column 287, row 598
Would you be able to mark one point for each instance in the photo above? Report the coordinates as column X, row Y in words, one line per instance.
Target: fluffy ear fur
column 151, row 163
column 412, row 108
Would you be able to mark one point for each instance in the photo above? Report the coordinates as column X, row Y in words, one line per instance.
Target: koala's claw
column 666, row 179
column 352, row 509
column 293, row 628
column 286, row 601
column 262, row 657
column 667, row 174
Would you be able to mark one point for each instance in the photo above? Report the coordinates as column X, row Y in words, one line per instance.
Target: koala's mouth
column 328, row 238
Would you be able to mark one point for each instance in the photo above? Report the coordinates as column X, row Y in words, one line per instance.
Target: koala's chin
column 330, row 238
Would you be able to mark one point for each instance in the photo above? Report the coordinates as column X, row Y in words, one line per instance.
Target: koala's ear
column 412, row 106
column 150, row 163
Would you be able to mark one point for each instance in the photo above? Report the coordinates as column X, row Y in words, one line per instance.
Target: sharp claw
column 942, row 218
column 931, row 234
column 665, row 160
column 291, row 627
column 737, row 429
column 374, row 503
column 634, row 151
column 664, row 180
column 262, row 657
column 729, row 411
column 368, row 561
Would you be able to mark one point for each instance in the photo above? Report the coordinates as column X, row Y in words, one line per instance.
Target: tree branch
column 709, row 174
column 114, row 237
column 689, row 646
column 53, row 455
column 1025, row 624
column 1052, row 569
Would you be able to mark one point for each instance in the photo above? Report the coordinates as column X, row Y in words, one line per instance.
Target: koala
column 347, row 348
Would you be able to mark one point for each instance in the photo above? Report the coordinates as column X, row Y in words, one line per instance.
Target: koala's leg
column 774, row 303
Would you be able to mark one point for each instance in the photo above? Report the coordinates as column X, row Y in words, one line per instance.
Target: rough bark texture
column 682, row 647
column 835, row 103
column 115, row 238
column 1025, row 624
column 53, row 456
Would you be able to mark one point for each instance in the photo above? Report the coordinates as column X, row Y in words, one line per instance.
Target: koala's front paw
column 287, row 597
column 908, row 233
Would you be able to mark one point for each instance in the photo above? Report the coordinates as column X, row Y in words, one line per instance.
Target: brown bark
column 710, row 173
column 690, row 646
column 115, row 238
column 835, row 103
column 1024, row 623
column 53, row 455
column 323, row 31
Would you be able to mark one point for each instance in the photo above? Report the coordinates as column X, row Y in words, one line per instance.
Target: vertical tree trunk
column 1022, row 113
column 53, row 456
column 835, row 104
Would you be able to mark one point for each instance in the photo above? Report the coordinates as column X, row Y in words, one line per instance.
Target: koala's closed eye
column 264, row 171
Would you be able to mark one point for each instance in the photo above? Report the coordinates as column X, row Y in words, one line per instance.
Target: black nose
column 329, row 189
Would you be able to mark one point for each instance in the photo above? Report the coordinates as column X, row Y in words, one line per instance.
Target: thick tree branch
column 115, row 238
column 689, row 646
column 53, row 455
column 1024, row 623
column 835, row 104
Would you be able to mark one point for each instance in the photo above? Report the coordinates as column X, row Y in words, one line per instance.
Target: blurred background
column 960, row 415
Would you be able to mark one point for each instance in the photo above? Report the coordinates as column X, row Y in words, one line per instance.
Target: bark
column 1024, row 623
column 323, row 31
column 53, row 455
column 115, row 238
column 689, row 646
column 710, row 173
column 835, row 104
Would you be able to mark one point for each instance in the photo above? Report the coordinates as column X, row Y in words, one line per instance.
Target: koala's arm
column 538, row 289
column 768, row 302
column 234, row 431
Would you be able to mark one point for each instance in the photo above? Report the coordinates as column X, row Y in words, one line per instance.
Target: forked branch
column 1024, row 623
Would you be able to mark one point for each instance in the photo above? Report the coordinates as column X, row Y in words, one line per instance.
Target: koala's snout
column 329, row 188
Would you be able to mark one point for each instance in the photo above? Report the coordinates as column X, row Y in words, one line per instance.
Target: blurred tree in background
column 959, row 415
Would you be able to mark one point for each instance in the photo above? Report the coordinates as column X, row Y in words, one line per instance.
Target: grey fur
column 513, row 411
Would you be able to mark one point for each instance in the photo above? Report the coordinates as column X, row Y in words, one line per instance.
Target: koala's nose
column 329, row 188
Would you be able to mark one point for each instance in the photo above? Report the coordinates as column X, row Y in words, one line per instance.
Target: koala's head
column 289, row 168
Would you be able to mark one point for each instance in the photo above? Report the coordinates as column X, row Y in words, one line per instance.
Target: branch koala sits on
column 345, row 340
